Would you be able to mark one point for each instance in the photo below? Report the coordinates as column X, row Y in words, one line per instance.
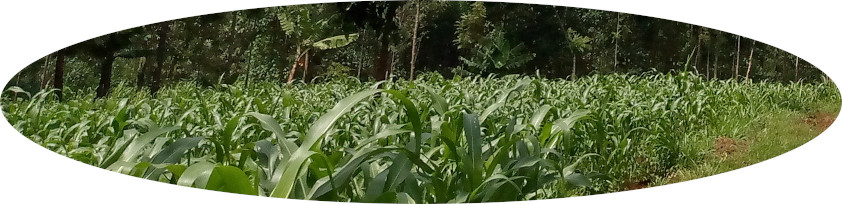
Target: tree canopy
column 396, row 39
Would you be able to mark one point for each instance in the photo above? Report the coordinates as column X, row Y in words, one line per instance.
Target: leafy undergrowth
column 475, row 139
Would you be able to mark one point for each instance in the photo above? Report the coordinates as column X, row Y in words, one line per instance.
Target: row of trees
column 381, row 40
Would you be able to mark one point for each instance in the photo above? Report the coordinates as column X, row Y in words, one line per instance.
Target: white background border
column 30, row 29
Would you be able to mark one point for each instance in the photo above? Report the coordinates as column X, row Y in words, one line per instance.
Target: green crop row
column 475, row 139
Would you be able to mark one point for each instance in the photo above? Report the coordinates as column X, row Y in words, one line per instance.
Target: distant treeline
column 399, row 39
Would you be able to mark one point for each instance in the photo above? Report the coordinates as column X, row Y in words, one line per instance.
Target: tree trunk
column 796, row 67
column 737, row 59
column 105, row 77
column 360, row 66
column 617, row 43
column 381, row 61
column 573, row 73
column 173, row 64
column 392, row 64
column 306, row 66
column 160, row 56
column 750, row 57
column 362, row 50
column 775, row 64
column 707, row 64
column 294, row 65
column 248, row 74
column 699, row 53
column 17, row 83
column 414, row 41
column 716, row 66
column 44, row 70
column 141, row 73
column 58, row 76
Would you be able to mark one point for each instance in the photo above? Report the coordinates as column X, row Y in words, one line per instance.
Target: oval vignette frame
column 641, row 191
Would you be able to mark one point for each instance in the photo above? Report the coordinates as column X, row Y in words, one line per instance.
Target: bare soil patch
column 820, row 120
column 636, row 185
column 724, row 146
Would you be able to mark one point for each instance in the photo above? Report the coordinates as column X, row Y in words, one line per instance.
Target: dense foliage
column 472, row 139
column 381, row 40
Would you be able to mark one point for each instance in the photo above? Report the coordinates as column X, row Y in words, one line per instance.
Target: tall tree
column 107, row 52
column 750, row 58
column 45, row 68
column 415, row 41
column 797, row 59
column 578, row 44
column 311, row 29
column 160, row 57
column 58, row 76
column 378, row 17
column 617, row 42
column 737, row 59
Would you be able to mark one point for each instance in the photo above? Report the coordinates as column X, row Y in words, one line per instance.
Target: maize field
column 472, row 139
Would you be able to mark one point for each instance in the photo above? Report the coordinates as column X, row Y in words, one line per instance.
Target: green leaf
column 473, row 162
column 578, row 179
column 172, row 154
column 439, row 103
column 16, row 89
column 539, row 115
column 412, row 114
column 570, row 169
column 133, row 150
column 315, row 133
column 336, row 41
column 269, row 123
column 230, row 179
column 196, row 175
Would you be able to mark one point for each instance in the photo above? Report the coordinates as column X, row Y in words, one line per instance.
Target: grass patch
column 773, row 135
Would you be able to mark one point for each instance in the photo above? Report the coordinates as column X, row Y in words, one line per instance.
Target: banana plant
column 311, row 29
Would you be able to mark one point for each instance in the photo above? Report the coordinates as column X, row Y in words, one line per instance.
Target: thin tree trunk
column 248, row 75
column 230, row 63
column 160, row 56
column 360, row 66
column 17, row 83
column 141, row 71
column 381, row 61
column 105, row 77
column 617, row 43
column 392, row 64
column 775, row 66
column 362, row 50
column 306, row 66
column 294, row 64
column 707, row 64
column 796, row 67
column 716, row 66
column 171, row 74
column 750, row 57
column 573, row 73
column 414, row 41
column 737, row 59
column 44, row 70
column 58, row 76
column 699, row 53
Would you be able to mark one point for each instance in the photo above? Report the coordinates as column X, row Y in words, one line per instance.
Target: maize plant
column 474, row 139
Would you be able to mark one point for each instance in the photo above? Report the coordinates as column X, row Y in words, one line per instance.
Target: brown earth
column 820, row 120
column 636, row 185
column 724, row 146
